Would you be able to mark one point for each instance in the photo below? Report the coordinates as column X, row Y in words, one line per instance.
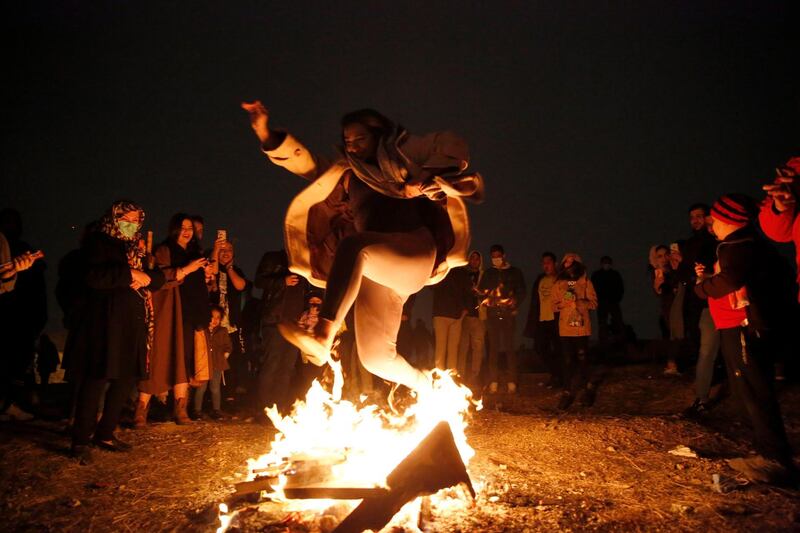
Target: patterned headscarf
column 109, row 226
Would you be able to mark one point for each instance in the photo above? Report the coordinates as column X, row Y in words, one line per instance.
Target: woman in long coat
column 181, row 308
column 374, row 227
column 113, row 339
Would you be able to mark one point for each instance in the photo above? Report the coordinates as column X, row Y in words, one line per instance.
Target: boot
column 181, row 416
column 140, row 416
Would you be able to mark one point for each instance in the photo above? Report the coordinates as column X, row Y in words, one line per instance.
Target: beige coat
column 567, row 306
column 317, row 221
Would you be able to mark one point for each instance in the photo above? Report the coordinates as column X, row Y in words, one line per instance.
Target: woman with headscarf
column 573, row 295
column 114, row 339
column 375, row 226
column 181, row 308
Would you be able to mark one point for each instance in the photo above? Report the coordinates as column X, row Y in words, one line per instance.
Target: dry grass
column 604, row 468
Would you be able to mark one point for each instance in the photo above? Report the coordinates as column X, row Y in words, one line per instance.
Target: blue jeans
column 216, row 396
column 709, row 347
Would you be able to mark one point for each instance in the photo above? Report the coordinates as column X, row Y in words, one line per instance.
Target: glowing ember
column 330, row 442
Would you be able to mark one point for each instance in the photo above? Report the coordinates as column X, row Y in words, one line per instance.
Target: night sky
column 595, row 127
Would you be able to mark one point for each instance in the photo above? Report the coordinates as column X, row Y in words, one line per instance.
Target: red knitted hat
column 737, row 209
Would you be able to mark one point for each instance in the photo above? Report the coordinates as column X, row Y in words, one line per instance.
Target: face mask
column 497, row 261
column 128, row 229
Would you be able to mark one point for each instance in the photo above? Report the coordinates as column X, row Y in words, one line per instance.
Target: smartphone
column 674, row 247
column 222, row 234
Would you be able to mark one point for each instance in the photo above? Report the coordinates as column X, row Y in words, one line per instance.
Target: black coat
column 111, row 337
column 279, row 301
column 453, row 295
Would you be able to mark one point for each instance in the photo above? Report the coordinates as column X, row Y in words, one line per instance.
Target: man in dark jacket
column 750, row 300
column 699, row 328
column 610, row 288
column 504, row 290
column 542, row 324
column 452, row 298
column 283, row 297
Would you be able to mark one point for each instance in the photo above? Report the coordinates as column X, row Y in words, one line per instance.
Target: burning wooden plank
column 434, row 464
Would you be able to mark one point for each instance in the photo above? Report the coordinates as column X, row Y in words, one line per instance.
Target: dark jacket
column 219, row 343
column 748, row 260
column 609, row 286
column 278, row 300
column 503, row 283
column 531, row 326
column 111, row 338
column 453, row 295
column 701, row 247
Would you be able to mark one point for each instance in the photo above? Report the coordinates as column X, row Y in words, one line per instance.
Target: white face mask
column 497, row 261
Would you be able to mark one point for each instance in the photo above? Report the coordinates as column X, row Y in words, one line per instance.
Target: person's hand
column 23, row 262
column 195, row 265
column 700, row 270
column 292, row 280
column 259, row 119
column 781, row 192
column 217, row 246
column 139, row 279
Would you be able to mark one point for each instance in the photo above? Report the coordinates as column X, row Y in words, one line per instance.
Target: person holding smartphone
column 778, row 216
column 181, row 307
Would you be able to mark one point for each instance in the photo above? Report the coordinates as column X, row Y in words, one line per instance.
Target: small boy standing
column 219, row 349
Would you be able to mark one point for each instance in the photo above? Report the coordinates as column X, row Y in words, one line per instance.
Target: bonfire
column 331, row 456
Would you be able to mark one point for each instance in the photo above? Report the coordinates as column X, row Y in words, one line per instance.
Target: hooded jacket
column 573, row 296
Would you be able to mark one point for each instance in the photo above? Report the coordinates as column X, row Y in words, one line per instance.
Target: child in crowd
column 219, row 349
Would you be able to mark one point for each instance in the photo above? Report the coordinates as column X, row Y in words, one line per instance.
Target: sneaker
column 493, row 387
column 698, row 408
column 512, row 387
column 15, row 412
column 565, row 401
column 317, row 353
column 216, row 414
column 759, row 469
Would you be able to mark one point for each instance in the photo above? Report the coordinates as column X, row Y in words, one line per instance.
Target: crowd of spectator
column 167, row 323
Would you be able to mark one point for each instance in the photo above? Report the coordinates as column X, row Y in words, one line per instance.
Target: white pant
column 378, row 272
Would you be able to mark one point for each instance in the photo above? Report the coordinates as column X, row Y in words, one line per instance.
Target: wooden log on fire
column 256, row 485
column 333, row 493
column 433, row 465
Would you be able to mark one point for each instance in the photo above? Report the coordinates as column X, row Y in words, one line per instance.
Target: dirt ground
column 604, row 468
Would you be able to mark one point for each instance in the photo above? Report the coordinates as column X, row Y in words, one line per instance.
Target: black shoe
column 566, row 400
column 112, row 445
column 587, row 397
column 216, row 414
column 696, row 410
column 82, row 453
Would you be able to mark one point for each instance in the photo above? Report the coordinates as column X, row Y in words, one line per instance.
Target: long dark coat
column 111, row 338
